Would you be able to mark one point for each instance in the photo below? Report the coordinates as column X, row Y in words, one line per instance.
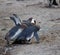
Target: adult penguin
column 52, row 2
column 20, row 30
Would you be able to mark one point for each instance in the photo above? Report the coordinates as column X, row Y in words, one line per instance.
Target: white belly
column 16, row 34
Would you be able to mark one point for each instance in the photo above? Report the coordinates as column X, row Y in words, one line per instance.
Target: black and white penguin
column 22, row 31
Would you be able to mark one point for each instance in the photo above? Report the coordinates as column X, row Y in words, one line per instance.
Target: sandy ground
column 47, row 18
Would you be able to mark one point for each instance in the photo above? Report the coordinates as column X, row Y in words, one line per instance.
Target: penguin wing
column 16, row 19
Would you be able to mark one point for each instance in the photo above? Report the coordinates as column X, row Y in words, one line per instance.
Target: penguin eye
column 34, row 21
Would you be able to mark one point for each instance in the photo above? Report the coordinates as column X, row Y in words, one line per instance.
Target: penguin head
column 32, row 20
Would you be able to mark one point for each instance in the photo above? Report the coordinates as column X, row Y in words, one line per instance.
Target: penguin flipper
column 16, row 19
